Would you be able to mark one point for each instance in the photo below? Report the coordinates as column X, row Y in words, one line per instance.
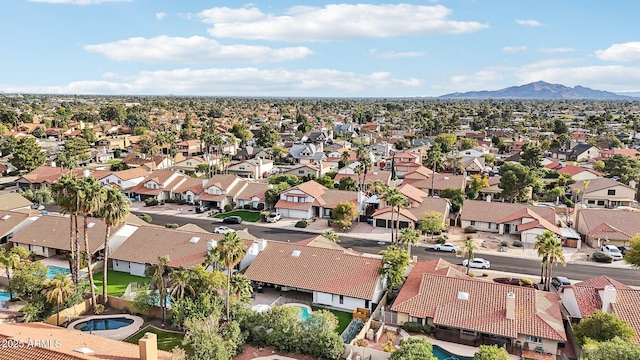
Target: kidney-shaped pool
column 115, row 327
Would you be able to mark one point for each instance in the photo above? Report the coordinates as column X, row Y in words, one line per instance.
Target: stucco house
column 160, row 184
column 607, row 227
column 603, row 193
column 256, row 168
column 124, row 179
column 311, row 199
column 221, row 190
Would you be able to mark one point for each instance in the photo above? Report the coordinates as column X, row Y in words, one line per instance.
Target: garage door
column 381, row 223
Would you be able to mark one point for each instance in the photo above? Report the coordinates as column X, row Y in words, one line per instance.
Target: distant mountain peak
column 539, row 90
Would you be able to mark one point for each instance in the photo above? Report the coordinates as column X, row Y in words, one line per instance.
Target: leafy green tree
column 38, row 132
column 615, row 348
column 560, row 127
column 478, row 182
column 113, row 113
column 633, row 256
column 57, row 291
column 199, row 307
column 394, row 264
column 292, row 180
column 602, row 326
column 344, row 213
column 119, row 166
column 408, row 236
column 89, row 135
column 9, row 146
column 202, row 336
column 599, row 166
column 10, row 259
column 531, row 156
column 491, row 352
column 326, row 181
column 447, row 142
column 468, row 143
column 431, row 222
column 348, row 184
column 624, row 167
column 27, row 155
column 241, row 131
column 26, row 118
column 267, row 137
column 515, row 181
column 114, row 210
column 77, row 147
column 137, row 120
column 28, row 278
column 271, row 196
column 456, row 196
column 414, row 349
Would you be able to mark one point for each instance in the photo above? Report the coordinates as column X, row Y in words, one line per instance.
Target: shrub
column 470, row 230
column 263, row 215
column 504, row 243
column 146, row 217
column 150, row 202
column 352, row 330
column 171, row 225
column 260, row 207
column 569, row 203
column 526, row 282
column 362, row 342
column 301, row 223
column 602, row 257
column 412, row 327
column 247, row 206
column 484, row 274
column 517, row 243
column 228, row 208
column 472, row 274
column 99, row 309
column 388, row 347
column 428, row 329
column 441, row 240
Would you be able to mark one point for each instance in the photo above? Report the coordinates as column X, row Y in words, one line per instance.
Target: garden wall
column 351, row 351
column 74, row 312
column 126, row 305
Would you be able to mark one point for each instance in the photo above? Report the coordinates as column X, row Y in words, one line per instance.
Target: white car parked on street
column 273, row 217
column 446, row 247
column 223, row 230
column 478, row 263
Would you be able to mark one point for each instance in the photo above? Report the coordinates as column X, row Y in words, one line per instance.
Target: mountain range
column 539, row 90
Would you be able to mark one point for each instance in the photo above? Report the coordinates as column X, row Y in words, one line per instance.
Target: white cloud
column 161, row 15
column 481, row 80
column 335, row 22
column 234, row 82
column 529, row 23
column 627, row 52
column 400, row 54
column 557, row 50
column 514, row 49
column 195, row 49
column 78, row 2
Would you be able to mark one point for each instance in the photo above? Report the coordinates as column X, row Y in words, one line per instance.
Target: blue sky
column 313, row 48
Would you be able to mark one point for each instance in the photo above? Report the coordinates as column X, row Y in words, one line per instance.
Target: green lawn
column 117, row 281
column 246, row 215
column 166, row 340
column 344, row 318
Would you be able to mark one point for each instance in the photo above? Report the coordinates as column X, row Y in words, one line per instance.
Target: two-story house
column 190, row 164
column 603, row 193
column 190, row 147
column 404, row 162
column 221, row 190
column 306, row 153
column 160, row 185
column 124, row 179
column 256, row 168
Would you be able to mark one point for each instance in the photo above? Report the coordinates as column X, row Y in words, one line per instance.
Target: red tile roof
column 317, row 269
column 573, row 170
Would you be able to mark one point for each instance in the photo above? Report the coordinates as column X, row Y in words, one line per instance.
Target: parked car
column 559, row 281
column 37, row 207
column 273, row 217
column 478, row 263
column 222, row 230
column 613, row 251
column 446, row 247
column 201, row 209
column 232, row 220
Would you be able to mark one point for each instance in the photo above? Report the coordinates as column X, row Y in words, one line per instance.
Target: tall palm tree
column 556, row 255
column 160, row 273
column 57, row 291
column 468, row 249
column 345, row 157
column 409, row 237
column 11, row 259
column 241, row 287
column 92, row 195
column 65, row 194
column 367, row 165
column 550, row 248
column 392, row 198
column 542, row 245
column 180, row 284
column 114, row 210
column 231, row 249
column 359, row 170
column 377, row 188
column 400, row 201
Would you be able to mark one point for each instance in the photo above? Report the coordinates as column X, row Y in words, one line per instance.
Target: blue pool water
column 4, row 296
column 103, row 324
column 53, row 270
column 304, row 312
column 443, row 354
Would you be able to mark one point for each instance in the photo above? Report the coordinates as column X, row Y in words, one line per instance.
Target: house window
column 119, row 181
column 473, row 223
column 600, row 202
column 341, row 299
column 591, row 202
column 468, row 332
column 366, row 304
column 611, row 192
column 188, row 163
column 300, row 171
column 533, row 339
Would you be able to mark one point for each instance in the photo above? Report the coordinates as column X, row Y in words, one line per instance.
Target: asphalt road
column 500, row 263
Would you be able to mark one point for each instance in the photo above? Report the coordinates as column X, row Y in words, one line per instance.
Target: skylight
column 463, row 295
column 84, row 350
column 7, row 216
column 91, row 224
column 296, row 253
column 194, row 239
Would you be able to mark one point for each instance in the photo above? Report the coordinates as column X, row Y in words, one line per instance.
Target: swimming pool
column 443, row 354
column 4, row 296
column 54, row 270
column 305, row 311
column 103, row 324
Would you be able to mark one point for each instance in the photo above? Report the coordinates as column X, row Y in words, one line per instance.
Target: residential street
column 516, row 265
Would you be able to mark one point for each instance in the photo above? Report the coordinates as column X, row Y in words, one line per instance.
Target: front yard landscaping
column 344, row 318
column 117, row 282
column 167, row 340
column 246, row 215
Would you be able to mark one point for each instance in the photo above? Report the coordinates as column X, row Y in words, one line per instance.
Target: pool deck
column 456, row 349
column 117, row 334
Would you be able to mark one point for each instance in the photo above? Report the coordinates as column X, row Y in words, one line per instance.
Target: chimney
column 86, row 173
column 148, row 346
column 511, row 306
column 204, row 183
column 262, row 244
column 608, row 297
column 632, row 184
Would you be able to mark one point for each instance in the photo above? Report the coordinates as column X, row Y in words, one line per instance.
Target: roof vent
column 446, row 178
column 296, row 253
column 91, row 224
column 84, row 350
column 194, row 239
column 6, row 217
column 463, row 295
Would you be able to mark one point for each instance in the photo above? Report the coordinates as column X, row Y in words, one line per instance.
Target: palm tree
column 367, row 166
column 345, row 157
column 377, row 188
column 224, row 161
column 359, row 170
column 409, row 237
column 468, row 249
column 392, row 197
column 11, row 259
column 550, row 248
column 159, row 273
column 114, row 211
column 400, row 201
column 231, row 249
column 180, row 284
column 542, row 244
column 331, row 235
column 556, row 255
column 241, row 287
column 57, row 291
column 92, row 195
column 66, row 197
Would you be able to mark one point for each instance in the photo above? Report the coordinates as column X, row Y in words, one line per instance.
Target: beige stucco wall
column 550, row 346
